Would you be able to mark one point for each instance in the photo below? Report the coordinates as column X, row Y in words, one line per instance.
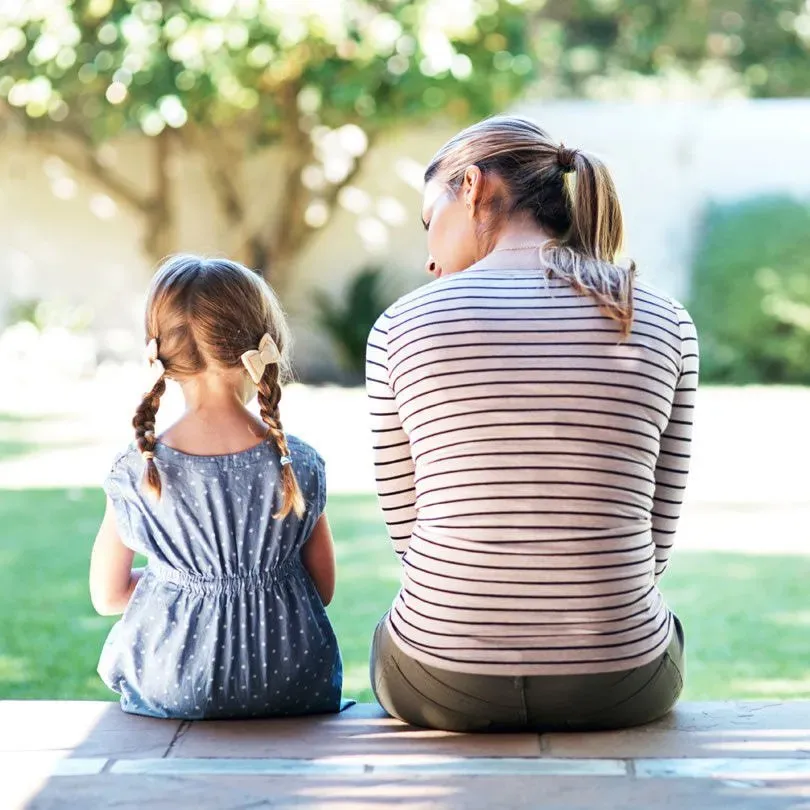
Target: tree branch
column 220, row 166
column 292, row 233
column 83, row 159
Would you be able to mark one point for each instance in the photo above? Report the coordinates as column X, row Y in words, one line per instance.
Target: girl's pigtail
column 144, row 424
column 269, row 397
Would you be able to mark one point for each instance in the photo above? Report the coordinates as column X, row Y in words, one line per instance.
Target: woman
column 532, row 412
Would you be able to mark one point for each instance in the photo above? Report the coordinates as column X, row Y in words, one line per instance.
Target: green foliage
column 109, row 65
column 224, row 78
column 24, row 310
column 47, row 314
column 105, row 65
column 765, row 42
column 348, row 322
column 750, row 294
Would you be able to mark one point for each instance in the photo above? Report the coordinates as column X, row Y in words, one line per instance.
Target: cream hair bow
column 156, row 368
column 256, row 360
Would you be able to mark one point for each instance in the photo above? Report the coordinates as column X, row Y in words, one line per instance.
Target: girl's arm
column 318, row 556
column 112, row 577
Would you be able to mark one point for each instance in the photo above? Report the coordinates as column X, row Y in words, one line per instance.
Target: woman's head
column 203, row 315
column 507, row 169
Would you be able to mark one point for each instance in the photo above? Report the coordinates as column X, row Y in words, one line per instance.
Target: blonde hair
column 581, row 214
column 206, row 313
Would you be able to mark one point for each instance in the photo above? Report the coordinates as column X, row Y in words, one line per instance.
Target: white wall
column 61, row 238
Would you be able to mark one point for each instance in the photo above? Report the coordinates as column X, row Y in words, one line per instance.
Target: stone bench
column 87, row 755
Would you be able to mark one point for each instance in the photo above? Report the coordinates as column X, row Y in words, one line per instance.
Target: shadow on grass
column 12, row 446
column 19, row 418
column 746, row 617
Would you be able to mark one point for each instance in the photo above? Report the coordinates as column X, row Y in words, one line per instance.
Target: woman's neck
column 517, row 246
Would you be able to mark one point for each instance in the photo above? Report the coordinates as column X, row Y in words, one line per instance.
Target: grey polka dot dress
column 226, row 622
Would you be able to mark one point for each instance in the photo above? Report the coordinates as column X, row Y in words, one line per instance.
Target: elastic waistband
column 235, row 583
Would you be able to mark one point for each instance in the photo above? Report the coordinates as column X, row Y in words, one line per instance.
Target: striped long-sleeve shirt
column 531, row 466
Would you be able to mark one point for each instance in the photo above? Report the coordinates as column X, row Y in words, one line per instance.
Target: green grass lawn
column 746, row 618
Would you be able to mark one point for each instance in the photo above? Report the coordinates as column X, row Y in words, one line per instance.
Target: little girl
column 227, row 619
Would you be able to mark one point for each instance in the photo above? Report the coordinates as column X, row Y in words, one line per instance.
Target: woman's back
column 523, row 471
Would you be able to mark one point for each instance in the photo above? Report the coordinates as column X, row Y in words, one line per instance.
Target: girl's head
column 507, row 169
column 204, row 314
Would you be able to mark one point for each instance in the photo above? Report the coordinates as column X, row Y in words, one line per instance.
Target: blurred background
column 293, row 136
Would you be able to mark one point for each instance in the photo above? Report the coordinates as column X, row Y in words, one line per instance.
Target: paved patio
column 89, row 755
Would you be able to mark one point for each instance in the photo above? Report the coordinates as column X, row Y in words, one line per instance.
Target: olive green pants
column 453, row 701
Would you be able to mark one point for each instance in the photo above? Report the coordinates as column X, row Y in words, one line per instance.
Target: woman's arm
column 672, row 468
column 112, row 577
column 393, row 462
column 318, row 556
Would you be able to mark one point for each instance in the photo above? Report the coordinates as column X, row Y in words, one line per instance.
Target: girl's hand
column 318, row 556
column 112, row 577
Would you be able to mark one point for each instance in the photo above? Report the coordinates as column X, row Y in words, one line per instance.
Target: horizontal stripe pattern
column 531, row 468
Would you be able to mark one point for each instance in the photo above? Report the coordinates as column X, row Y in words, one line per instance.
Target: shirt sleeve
column 672, row 468
column 393, row 463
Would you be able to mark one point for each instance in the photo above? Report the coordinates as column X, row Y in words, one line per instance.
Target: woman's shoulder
column 649, row 294
column 413, row 300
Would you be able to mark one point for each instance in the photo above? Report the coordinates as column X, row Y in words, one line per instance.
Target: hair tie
column 566, row 158
column 256, row 360
column 148, row 455
column 285, row 460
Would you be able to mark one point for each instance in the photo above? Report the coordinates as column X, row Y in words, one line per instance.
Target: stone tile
column 764, row 769
column 361, row 730
column 414, row 792
column 503, row 766
column 24, row 773
column 83, row 728
column 741, row 729
column 50, row 763
column 359, row 765
column 179, row 766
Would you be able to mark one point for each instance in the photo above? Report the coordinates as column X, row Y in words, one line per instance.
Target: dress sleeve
column 319, row 503
column 119, row 486
column 393, row 463
column 672, row 468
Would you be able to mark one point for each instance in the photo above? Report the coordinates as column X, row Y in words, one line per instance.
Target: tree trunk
column 160, row 238
column 290, row 232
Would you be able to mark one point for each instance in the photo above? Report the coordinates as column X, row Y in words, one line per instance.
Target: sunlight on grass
column 783, row 688
column 745, row 618
column 13, row 670
column 12, row 448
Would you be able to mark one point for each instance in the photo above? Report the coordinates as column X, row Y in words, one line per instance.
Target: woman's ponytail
column 585, row 256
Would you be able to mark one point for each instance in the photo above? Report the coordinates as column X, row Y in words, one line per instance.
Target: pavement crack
column 181, row 732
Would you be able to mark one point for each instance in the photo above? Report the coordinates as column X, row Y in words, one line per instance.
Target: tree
column 761, row 47
column 325, row 78
column 320, row 78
